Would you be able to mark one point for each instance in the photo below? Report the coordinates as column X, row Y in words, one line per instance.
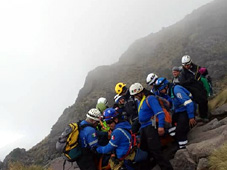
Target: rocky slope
column 202, row 35
column 203, row 140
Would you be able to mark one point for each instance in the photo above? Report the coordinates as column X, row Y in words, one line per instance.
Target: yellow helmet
column 119, row 87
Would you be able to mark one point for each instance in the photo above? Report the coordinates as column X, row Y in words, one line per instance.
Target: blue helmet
column 109, row 114
column 161, row 83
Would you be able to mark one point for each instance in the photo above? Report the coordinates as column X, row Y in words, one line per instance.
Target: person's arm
column 112, row 145
column 91, row 137
column 157, row 110
column 185, row 100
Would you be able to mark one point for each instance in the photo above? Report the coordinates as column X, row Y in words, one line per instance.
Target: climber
column 183, row 107
column 88, row 139
column 190, row 78
column 150, row 80
column 119, row 106
column 120, row 141
column 130, row 105
column 205, row 80
column 102, row 104
column 176, row 73
column 150, row 141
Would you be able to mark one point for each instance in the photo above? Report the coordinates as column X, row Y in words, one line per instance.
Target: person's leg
column 154, row 147
column 182, row 129
column 144, row 165
column 86, row 161
column 203, row 110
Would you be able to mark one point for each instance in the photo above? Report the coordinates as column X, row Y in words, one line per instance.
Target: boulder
column 57, row 164
column 203, row 164
column 223, row 121
column 222, row 110
column 198, row 133
column 182, row 160
column 204, row 148
column 203, row 136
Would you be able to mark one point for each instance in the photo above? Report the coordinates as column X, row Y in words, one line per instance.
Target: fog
column 47, row 47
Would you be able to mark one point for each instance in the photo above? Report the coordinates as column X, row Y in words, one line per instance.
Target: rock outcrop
column 220, row 111
column 203, row 140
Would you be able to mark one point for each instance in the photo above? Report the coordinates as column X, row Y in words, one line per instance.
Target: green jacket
column 206, row 85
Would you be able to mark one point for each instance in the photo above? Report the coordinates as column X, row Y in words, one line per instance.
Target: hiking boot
column 200, row 119
column 205, row 120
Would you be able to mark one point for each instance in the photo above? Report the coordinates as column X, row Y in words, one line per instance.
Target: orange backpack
column 165, row 105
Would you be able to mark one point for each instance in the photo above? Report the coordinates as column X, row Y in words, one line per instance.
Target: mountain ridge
column 200, row 34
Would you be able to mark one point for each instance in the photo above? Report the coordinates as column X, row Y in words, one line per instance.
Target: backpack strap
column 172, row 94
column 141, row 102
column 197, row 71
column 130, row 140
column 153, row 118
column 65, row 163
column 133, row 137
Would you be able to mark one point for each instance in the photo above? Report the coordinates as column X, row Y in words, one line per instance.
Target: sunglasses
column 109, row 121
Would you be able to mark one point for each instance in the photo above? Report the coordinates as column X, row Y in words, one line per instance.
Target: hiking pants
column 86, row 161
column 182, row 128
column 150, row 142
column 203, row 109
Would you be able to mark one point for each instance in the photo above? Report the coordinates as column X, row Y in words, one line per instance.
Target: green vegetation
column 20, row 166
column 218, row 159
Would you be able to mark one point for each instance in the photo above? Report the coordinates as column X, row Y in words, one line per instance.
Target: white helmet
column 151, row 78
column 135, row 88
column 186, row 59
column 94, row 114
column 102, row 100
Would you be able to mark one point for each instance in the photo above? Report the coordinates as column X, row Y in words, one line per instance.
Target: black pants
column 150, row 142
column 87, row 160
column 203, row 109
column 182, row 128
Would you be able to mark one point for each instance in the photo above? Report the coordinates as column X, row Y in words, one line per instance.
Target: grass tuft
column 19, row 166
column 218, row 159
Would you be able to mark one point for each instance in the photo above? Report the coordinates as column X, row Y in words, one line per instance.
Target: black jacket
column 188, row 76
column 190, row 79
column 130, row 107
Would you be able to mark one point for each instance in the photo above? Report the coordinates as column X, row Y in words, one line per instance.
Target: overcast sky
column 47, row 47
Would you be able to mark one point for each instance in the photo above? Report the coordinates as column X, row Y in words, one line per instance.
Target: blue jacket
column 145, row 112
column 88, row 136
column 182, row 101
column 119, row 142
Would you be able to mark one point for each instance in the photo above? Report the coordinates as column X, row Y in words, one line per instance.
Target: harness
column 132, row 142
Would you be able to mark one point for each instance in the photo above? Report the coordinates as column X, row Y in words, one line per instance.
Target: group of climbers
column 140, row 116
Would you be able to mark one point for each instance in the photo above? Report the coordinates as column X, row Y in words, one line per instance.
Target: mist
column 48, row 47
